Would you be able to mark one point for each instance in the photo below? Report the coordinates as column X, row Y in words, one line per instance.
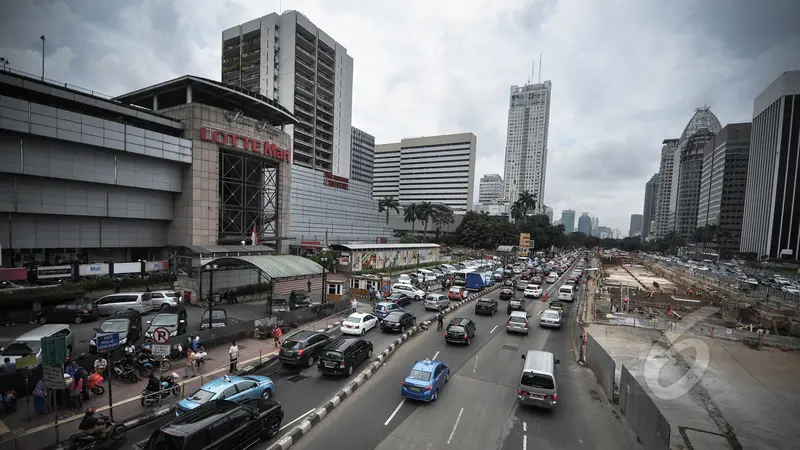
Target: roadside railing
column 50, row 435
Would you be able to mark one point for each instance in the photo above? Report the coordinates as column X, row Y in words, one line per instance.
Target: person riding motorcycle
column 439, row 321
column 93, row 424
column 153, row 383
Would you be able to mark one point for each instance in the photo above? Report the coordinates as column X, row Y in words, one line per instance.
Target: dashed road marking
column 458, row 419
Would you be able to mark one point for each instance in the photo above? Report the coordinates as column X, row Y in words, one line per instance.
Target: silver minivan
column 518, row 322
column 538, row 385
column 30, row 343
column 140, row 301
column 437, row 302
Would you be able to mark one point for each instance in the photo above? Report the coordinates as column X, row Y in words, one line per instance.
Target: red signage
column 336, row 181
column 265, row 148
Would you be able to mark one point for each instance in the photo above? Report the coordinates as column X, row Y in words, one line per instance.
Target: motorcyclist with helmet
column 94, row 424
column 153, row 383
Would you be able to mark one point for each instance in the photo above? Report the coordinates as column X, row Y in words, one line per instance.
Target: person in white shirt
column 234, row 354
column 354, row 305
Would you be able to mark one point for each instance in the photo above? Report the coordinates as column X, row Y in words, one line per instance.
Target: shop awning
column 505, row 249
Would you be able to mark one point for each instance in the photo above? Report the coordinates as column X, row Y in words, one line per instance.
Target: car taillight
column 428, row 388
column 300, row 352
column 86, row 311
column 521, row 392
column 508, row 324
column 403, row 383
column 341, row 365
column 551, row 397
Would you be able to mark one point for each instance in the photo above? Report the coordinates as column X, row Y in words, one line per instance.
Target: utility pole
column 43, row 40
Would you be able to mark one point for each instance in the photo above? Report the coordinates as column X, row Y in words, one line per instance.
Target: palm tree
column 517, row 212
column 387, row 204
column 442, row 218
column 525, row 202
column 674, row 240
column 410, row 215
column 424, row 215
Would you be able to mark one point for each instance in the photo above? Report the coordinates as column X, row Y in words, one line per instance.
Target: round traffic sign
column 161, row 335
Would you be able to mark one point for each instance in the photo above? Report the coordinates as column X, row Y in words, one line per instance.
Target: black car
column 173, row 319
column 398, row 298
column 303, row 348
column 128, row 324
column 486, row 306
column 219, row 424
column 460, row 331
column 398, row 321
column 506, row 294
column 219, row 318
column 516, row 304
column 77, row 312
column 342, row 355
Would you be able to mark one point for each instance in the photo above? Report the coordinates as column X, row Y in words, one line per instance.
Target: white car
column 404, row 279
column 163, row 299
column 552, row 278
column 411, row 291
column 359, row 323
column 533, row 291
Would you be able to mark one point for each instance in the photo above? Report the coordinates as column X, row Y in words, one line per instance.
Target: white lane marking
column 435, row 355
column 495, row 327
column 476, row 364
column 395, row 412
column 455, row 426
column 524, row 442
column 295, row 420
column 525, row 427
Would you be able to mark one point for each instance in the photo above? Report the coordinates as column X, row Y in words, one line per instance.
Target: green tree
column 525, row 202
column 387, row 204
column 410, row 215
column 440, row 218
column 425, row 212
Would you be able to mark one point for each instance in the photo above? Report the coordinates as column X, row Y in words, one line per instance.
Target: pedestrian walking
column 277, row 335
column 233, row 352
column 354, row 305
column 190, row 364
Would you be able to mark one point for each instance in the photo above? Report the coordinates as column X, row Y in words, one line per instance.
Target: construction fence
column 602, row 365
column 642, row 414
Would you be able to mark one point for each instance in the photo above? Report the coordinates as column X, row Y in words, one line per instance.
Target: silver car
column 550, row 318
column 437, row 302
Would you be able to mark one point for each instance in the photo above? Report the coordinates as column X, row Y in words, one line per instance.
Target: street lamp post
column 324, row 261
column 43, row 40
column 210, row 268
column 5, row 62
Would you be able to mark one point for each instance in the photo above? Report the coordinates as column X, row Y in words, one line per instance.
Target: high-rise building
column 436, row 169
column 362, row 155
column 724, row 182
column 772, row 202
column 491, row 188
column 650, row 203
column 286, row 58
column 568, row 220
column 635, row 228
column 687, row 167
column 595, row 226
column 585, row 224
column 526, row 141
column 668, row 147
column 548, row 211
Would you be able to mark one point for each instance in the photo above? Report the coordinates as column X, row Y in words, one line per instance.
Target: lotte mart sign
column 230, row 139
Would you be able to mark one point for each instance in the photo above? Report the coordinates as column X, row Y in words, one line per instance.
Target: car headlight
column 92, row 342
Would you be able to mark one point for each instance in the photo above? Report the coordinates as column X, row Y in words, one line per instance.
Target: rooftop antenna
column 540, row 68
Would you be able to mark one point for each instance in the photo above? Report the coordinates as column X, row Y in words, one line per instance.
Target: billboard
column 387, row 259
column 524, row 244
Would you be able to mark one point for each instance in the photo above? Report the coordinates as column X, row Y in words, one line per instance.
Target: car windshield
column 292, row 345
column 485, row 302
column 455, row 290
column 114, row 326
column 536, row 380
column 215, row 315
column 22, row 348
column 419, row 375
column 393, row 317
column 353, row 319
column 164, row 319
column 201, row 396
column 550, row 315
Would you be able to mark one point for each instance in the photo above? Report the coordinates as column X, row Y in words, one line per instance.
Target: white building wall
column 386, row 178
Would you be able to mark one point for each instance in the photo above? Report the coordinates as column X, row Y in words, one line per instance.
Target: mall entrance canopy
column 188, row 260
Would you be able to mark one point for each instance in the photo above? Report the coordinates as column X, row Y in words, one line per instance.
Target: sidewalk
column 126, row 396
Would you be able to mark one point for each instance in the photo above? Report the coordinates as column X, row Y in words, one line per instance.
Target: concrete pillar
column 188, row 94
column 155, row 102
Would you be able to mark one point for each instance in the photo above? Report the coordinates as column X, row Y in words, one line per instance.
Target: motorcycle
column 95, row 384
column 83, row 440
column 126, row 371
column 169, row 384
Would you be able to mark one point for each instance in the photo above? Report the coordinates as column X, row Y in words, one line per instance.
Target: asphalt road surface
column 302, row 390
column 477, row 410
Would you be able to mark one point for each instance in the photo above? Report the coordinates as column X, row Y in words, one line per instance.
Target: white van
column 427, row 274
column 566, row 293
column 140, row 301
column 538, row 385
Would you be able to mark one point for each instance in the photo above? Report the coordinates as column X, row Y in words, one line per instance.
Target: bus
column 460, row 277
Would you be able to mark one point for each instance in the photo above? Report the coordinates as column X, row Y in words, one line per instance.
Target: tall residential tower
column 650, row 203
column 526, row 141
column 286, row 58
column 490, row 188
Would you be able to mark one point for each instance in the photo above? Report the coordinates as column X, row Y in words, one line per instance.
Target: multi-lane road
column 477, row 409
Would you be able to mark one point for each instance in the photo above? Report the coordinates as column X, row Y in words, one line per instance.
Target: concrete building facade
column 491, row 188
column 771, row 225
column 666, row 170
column 285, row 57
column 568, row 220
column 362, row 156
column 650, row 205
column 436, row 169
column 635, row 228
column 585, row 224
column 526, row 141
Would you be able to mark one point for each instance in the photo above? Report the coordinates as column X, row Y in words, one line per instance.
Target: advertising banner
column 87, row 270
column 44, row 273
column 524, row 244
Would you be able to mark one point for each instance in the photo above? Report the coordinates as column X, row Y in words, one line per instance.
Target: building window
column 334, row 289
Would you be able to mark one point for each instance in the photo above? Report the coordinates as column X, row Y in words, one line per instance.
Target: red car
column 457, row 294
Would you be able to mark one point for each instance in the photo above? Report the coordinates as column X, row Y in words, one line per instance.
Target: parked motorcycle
column 83, row 440
column 169, row 384
column 127, row 372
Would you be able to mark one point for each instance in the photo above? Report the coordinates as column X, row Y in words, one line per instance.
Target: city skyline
column 600, row 107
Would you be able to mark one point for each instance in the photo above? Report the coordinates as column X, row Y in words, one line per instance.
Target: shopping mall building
column 188, row 163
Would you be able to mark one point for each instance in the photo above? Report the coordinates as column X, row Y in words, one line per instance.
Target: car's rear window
column 550, row 315
column 516, row 319
column 393, row 317
column 333, row 354
column 419, row 375
column 456, row 328
column 485, row 302
column 292, row 345
column 538, row 381
column 565, row 290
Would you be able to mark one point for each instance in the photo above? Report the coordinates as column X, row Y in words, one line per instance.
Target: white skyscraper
column 490, row 188
column 288, row 59
column 526, row 140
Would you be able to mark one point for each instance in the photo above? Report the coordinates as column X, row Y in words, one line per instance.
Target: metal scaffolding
column 248, row 190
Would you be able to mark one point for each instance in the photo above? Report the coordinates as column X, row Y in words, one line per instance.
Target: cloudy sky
column 626, row 73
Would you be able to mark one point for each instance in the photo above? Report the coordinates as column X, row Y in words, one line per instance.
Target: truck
column 475, row 281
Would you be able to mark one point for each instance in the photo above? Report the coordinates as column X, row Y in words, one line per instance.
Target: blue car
column 425, row 380
column 382, row 309
column 228, row 388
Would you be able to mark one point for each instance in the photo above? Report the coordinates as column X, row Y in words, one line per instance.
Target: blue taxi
column 425, row 380
column 228, row 387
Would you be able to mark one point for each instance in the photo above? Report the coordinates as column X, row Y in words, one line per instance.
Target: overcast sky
column 626, row 73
